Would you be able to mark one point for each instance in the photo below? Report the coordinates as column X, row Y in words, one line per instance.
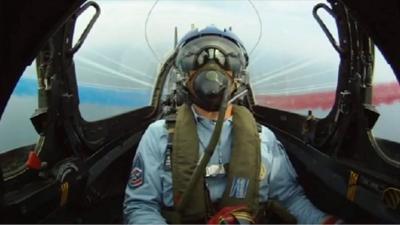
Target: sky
column 284, row 41
column 287, row 34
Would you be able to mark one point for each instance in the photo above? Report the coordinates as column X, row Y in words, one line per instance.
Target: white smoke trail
column 112, row 71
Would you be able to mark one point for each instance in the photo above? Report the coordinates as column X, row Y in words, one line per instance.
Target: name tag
column 215, row 170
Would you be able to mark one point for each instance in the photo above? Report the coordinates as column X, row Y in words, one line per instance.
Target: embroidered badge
column 137, row 177
column 167, row 160
column 239, row 187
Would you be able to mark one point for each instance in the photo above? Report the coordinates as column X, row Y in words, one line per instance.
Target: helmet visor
column 210, row 49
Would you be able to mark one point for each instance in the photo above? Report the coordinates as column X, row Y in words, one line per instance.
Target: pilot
column 248, row 169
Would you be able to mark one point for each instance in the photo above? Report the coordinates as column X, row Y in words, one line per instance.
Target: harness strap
column 182, row 157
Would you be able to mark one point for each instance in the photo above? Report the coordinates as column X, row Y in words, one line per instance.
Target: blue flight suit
column 150, row 185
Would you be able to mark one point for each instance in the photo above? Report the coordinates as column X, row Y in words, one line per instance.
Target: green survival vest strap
column 245, row 161
column 184, row 159
column 244, row 167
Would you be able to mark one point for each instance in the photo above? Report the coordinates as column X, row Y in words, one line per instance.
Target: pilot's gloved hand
column 332, row 220
column 232, row 215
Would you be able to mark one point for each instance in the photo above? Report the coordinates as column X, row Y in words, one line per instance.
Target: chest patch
column 263, row 172
column 137, row 176
column 239, row 187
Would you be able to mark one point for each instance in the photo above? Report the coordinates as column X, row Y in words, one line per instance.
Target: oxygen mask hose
column 208, row 152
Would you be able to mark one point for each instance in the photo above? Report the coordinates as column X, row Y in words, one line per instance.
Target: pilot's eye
column 211, row 53
column 219, row 56
column 201, row 58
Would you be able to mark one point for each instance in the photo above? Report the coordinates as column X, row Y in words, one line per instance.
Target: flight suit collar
column 208, row 123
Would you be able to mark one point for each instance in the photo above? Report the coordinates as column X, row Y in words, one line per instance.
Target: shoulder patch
column 137, row 177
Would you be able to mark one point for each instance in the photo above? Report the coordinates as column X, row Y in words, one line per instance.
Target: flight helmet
column 210, row 61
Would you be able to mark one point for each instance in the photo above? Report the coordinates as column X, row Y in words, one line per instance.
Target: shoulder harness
column 242, row 184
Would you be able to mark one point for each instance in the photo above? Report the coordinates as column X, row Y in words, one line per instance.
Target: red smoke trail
column 386, row 93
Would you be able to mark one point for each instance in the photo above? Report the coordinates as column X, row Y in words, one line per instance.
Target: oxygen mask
column 207, row 86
